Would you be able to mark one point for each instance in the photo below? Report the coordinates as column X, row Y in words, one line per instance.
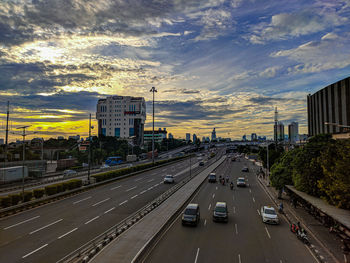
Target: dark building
column 329, row 105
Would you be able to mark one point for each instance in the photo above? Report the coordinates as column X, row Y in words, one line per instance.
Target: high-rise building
column 203, row 139
column 328, row 110
column 293, row 132
column 194, row 136
column 170, row 136
column 279, row 131
column 253, row 137
column 244, row 138
column 213, row 135
column 122, row 117
column 188, row 137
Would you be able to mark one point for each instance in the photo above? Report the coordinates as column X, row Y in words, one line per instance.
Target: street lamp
column 153, row 89
column 24, row 134
column 90, row 142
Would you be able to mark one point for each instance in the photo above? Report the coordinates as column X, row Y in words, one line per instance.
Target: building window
column 131, row 132
column 117, row 132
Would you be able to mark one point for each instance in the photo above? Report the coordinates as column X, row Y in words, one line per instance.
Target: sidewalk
column 325, row 245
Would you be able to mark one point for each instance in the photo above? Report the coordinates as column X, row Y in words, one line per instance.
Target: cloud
column 313, row 56
column 289, row 25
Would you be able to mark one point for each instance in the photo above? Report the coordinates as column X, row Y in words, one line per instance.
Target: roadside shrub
column 50, row 189
column 60, row 187
column 74, row 183
column 28, row 195
column 5, row 201
column 15, row 198
column 38, row 193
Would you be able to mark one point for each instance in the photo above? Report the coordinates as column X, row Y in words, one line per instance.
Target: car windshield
column 168, row 176
column 270, row 211
column 220, row 209
column 240, row 179
column 190, row 211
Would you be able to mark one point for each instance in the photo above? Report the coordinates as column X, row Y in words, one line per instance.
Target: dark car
column 245, row 169
column 201, row 163
column 191, row 215
column 220, row 212
column 212, row 178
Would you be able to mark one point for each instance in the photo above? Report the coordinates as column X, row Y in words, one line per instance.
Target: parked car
column 67, row 173
column 212, row 178
column 241, row 181
column 269, row 215
column 191, row 215
column 169, row 179
column 220, row 212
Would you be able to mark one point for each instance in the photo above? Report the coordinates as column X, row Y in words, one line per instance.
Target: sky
column 215, row 63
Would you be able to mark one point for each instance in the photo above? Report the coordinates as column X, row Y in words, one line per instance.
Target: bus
column 114, row 160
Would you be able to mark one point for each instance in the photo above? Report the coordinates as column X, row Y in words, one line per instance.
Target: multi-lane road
column 48, row 233
column 245, row 238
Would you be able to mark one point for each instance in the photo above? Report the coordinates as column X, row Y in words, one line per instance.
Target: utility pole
column 89, row 158
column 153, row 89
column 7, row 130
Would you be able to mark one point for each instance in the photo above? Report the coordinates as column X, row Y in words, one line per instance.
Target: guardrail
column 84, row 253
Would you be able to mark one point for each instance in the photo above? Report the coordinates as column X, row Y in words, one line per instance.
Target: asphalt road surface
column 245, row 238
column 50, row 232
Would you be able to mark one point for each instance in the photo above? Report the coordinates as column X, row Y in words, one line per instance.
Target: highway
column 245, row 238
column 48, row 233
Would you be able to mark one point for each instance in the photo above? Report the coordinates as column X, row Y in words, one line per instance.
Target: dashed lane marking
column 20, row 223
column 258, row 211
column 101, row 201
column 213, row 196
column 267, row 232
column 195, row 260
column 67, row 233
column 41, row 228
column 123, row 202
column 109, row 210
column 91, row 220
column 133, row 196
column 209, row 206
column 205, row 222
column 130, row 189
column 76, row 202
column 36, row 250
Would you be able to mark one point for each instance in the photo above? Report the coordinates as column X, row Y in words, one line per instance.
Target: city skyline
column 222, row 64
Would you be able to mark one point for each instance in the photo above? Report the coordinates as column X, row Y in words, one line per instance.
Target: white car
column 269, row 215
column 241, row 182
column 169, row 179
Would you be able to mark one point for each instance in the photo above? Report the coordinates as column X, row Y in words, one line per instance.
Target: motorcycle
column 231, row 186
column 300, row 233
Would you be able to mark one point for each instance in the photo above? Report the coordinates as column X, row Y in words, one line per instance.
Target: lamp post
column 24, row 134
column 90, row 142
column 153, row 89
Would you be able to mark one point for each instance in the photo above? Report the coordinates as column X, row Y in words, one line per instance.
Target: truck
column 131, row 158
column 11, row 174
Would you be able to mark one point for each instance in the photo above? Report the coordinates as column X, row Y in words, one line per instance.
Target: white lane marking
column 258, row 211
column 253, row 200
column 109, row 210
column 209, row 206
column 41, row 228
column 113, row 188
column 312, row 254
column 130, row 189
column 233, row 198
column 67, row 233
column 236, row 228
column 195, row 260
column 250, row 190
column 156, row 185
column 345, row 259
column 234, row 210
column 216, row 188
column 134, row 196
column 123, row 202
column 91, row 220
column 142, row 192
column 281, row 261
column 150, row 188
column 20, row 223
column 76, row 202
column 213, row 196
column 36, row 250
column 267, row 232
column 150, row 180
column 138, row 179
column 101, row 201
column 205, row 222
column 239, row 258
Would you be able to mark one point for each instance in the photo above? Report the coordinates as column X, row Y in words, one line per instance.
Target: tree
column 336, row 181
column 281, row 171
